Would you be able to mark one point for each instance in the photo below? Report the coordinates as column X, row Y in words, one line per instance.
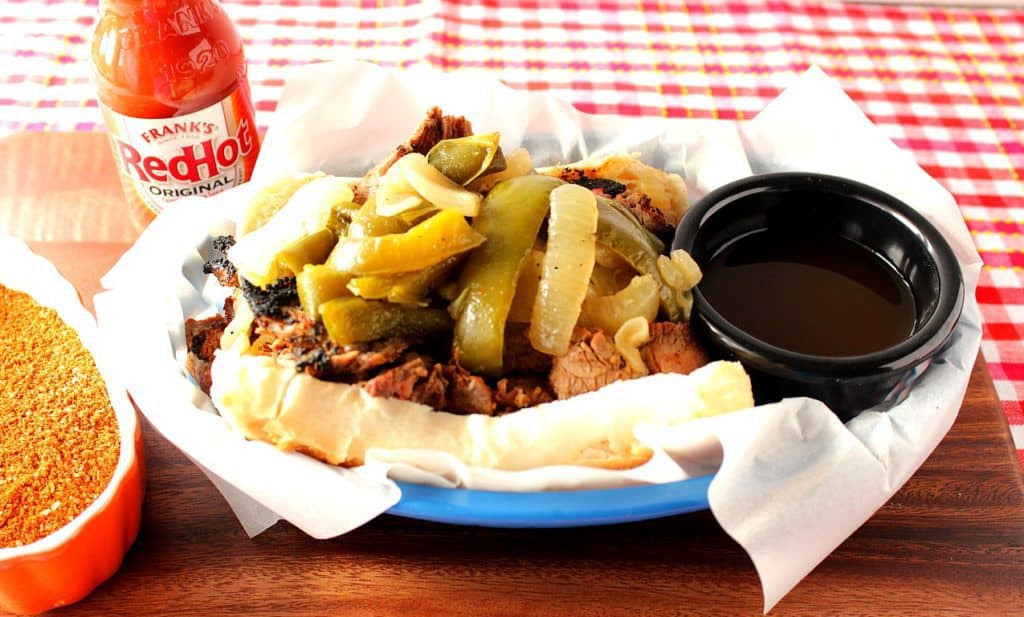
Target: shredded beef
column 433, row 389
column 514, row 393
column 673, row 349
column 400, row 381
column 218, row 264
column 435, row 127
column 364, row 359
column 351, row 363
column 591, row 363
column 468, row 393
column 441, row 386
column 291, row 333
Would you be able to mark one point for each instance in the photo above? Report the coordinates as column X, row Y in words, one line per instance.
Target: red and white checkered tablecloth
column 945, row 84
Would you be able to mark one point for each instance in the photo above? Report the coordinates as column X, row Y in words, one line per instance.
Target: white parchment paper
column 794, row 482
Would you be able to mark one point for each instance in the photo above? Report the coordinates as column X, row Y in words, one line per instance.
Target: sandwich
column 455, row 298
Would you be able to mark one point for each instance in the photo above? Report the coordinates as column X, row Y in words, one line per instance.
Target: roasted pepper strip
column 311, row 249
column 510, row 218
column 318, row 284
column 526, row 287
column 408, row 288
column 439, row 237
column 621, row 233
column 466, row 158
column 310, row 209
column 367, row 224
column 355, row 320
column 269, row 198
column 650, row 238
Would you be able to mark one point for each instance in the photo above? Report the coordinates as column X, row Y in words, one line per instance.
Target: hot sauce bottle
column 172, row 85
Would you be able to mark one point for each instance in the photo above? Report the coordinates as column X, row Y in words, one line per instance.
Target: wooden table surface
column 951, row 542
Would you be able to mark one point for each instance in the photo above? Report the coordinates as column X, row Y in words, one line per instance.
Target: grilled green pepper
column 269, row 198
column 510, row 218
column 408, row 288
column 367, row 224
column 439, row 237
column 341, row 217
column 311, row 249
column 624, row 235
column 308, row 211
column 466, row 158
column 355, row 320
column 318, row 284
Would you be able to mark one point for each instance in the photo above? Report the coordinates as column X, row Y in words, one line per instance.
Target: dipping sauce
column 823, row 296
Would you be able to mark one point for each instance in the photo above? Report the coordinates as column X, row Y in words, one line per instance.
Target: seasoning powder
column 59, row 440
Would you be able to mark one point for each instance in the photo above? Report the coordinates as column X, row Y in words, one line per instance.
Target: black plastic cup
column 803, row 205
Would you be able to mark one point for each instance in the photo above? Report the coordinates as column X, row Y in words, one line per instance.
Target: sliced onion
column 568, row 264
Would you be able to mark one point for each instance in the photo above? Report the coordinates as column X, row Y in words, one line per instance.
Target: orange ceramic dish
column 65, row 566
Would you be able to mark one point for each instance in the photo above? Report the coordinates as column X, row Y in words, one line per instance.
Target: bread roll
column 265, row 398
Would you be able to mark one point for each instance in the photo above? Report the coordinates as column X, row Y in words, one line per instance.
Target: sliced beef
column 673, row 349
column 218, row 264
column 364, row 359
column 400, row 381
column 519, row 357
column 591, row 363
column 445, row 387
column 433, row 389
column 513, row 393
column 435, row 127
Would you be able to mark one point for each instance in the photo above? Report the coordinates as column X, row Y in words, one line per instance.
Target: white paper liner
column 794, row 481
column 24, row 271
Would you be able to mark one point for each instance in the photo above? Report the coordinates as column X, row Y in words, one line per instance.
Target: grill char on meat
column 272, row 300
column 639, row 204
column 218, row 264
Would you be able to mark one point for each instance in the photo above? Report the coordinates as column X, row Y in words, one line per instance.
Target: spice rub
column 59, row 440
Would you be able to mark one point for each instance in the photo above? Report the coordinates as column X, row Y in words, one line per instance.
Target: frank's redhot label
column 202, row 153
